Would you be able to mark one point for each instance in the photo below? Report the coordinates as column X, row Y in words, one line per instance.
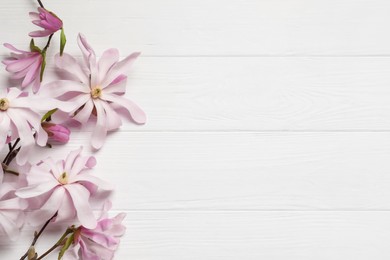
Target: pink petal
column 109, row 58
column 94, row 71
column 118, row 86
column 36, row 85
column 10, row 204
column 40, row 33
column 50, row 207
column 85, row 48
column 113, row 119
column 34, row 15
column 8, row 227
column 32, row 73
column 60, row 87
column 79, row 164
column 100, row 131
column 36, row 190
column 25, row 134
column 84, row 114
column 80, row 197
column 70, row 159
column 67, row 211
column 137, row 114
column 4, row 128
column 18, row 65
column 120, row 68
column 12, row 48
column 93, row 180
column 70, row 64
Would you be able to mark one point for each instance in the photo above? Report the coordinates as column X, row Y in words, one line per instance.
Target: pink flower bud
column 58, row 134
column 48, row 21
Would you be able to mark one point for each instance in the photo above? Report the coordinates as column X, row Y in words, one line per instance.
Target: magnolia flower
column 11, row 212
column 64, row 187
column 47, row 20
column 19, row 119
column 97, row 90
column 100, row 242
column 58, row 134
column 24, row 65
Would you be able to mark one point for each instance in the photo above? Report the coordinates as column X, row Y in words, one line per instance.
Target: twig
column 37, row 235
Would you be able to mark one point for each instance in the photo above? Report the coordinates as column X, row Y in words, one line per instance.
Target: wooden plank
column 244, row 171
column 217, row 27
column 244, row 235
column 225, row 94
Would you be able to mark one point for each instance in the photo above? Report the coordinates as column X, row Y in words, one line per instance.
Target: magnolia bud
column 31, row 255
column 58, row 134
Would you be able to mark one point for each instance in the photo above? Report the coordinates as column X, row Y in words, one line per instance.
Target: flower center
column 96, row 92
column 63, row 179
column 4, row 104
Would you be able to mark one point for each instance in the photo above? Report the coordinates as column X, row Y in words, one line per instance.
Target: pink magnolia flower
column 64, row 187
column 46, row 20
column 97, row 90
column 58, row 134
column 11, row 211
column 24, row 65
column 19, row 119
column 100, row 242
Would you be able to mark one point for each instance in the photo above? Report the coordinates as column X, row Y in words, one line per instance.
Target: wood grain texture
column 252, row 93
column 248, row 235
column 243, row 171
column 218, row 27
column 268, row 133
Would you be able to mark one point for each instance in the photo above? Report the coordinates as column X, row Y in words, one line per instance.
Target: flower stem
column 11, row 172
column 7, row 160
column 37, row 235
column 40, row 3
column 59, row 243
column 48, row 43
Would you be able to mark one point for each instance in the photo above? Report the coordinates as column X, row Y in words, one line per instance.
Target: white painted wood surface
column 269, row 125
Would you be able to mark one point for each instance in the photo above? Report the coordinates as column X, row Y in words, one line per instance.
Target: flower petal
column 84, row 113
column 80, row 197
column 50, row 207
column 60, row 87
column 100, row 132
column 113, row 119
column 120, row 68
column 68, row 63
column 36, row 190
column 108, row 59
column 136, row 113
column 93, row 180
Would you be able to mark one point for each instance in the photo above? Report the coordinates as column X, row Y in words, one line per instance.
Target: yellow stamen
column 63, row 179
column 96, row 92
column 4, row 104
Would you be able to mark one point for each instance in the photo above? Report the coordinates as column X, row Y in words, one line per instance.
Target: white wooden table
column 269, row 126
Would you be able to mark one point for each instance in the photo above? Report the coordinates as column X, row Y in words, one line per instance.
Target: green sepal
column 66, row 246
column 48, row 114
column 33, row 47
column 43, row 65
column 62, row 41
